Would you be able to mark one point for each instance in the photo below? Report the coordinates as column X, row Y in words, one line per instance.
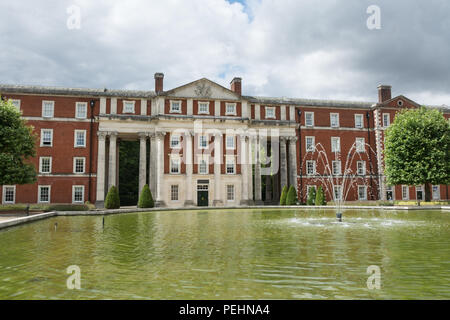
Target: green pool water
column 230, row 254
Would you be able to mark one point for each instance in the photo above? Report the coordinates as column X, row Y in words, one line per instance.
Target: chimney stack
column 384, row 93
column 159, row 82
column 236, row 85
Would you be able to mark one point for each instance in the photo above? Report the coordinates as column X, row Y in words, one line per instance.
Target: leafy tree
column 320, row 197
column 283, row 197
column 146, row 199
column 112, row 200
column 311, row 200
column 291, row 198
column 17, row 146
column 417, row 149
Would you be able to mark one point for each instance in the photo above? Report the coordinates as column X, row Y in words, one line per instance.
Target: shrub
column 311, row 200
column 283, row 196
column 146, row 199
column 320, row 197
column 112, row 200
column 291, row 198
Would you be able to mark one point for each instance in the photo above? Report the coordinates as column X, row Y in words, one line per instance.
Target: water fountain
column 337, row 182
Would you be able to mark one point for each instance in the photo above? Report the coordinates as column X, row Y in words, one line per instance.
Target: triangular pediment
column 203, row 89
column 406, row 102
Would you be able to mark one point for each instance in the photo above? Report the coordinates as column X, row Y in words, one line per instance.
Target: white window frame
column 16, row 103
column 229, row 138
column 175, row 137
column 78, row 105
column 338, row 166
column 362, row 121
column 43, row 109
column 172, row 192
column 49, row 165
column 405, row 192
column 363, row 167
column 229, row 113
column 365, row 192
column 309, row 113
column 200, row 140
column 307, row 167
column 203, row 103
column 75, row 165
column 340, row 192
column 73, row 193
column 172, row 102
column 202, row 158
column 272, row 109
column 232, row 193
column 173, row 160
column 49, row 193
column 4, row 194
column 438, row 192
column 362, row 143
column 388, row 122
column 230, row 160
column 128, row 103
column 331, row 120
column 42, row 138
column 313, row 144
column 334, row 147
column 75, row 142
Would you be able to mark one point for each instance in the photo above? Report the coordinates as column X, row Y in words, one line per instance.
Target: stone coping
column 26, row 219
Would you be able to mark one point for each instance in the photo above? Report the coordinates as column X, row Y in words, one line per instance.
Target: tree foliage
column 320, row 197
column 311, row 200
column 17, row 146
column 291, row 198
column 112, row 200
column 146, row 199
column 283, row 197
column 417, row 148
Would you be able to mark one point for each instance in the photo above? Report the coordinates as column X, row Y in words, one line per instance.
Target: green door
column 202, row 198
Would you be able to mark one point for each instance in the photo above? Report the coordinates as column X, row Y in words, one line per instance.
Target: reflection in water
column 229, row 254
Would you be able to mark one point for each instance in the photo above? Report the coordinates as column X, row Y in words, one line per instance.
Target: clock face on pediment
column 203, row 89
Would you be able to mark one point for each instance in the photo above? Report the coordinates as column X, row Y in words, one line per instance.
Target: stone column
column 293, row 162
column 142, row 160
column 189, row 169
column 160, row 169
column 258, row 191
column 251, row 140
column 100, row 198
column 112, row 159
column 244, row 169
column 283, row 163
column 217, row 169
column 152, row 164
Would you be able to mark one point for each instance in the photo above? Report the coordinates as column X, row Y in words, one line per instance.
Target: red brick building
column 307, row 141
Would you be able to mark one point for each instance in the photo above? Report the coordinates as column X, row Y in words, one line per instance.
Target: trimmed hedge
column 311, row 200
column 283, row 196
column 320, row 197
column 112, row 200
column 291, row 198
column 45, row 207
column 146, row 199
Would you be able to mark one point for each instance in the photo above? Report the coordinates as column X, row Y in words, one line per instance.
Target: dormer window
column 230, row 109
column 203, row 108
column 175, row 106
column 128, row 107
column 270, row 113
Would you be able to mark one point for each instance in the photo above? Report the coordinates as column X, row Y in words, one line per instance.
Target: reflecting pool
column 230, row 254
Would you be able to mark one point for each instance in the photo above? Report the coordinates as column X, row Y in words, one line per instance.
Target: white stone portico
column 255, row 143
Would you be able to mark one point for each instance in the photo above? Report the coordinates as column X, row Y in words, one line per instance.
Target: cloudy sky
column 296, row 48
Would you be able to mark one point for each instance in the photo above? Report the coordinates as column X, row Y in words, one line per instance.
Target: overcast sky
column 295, row 48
